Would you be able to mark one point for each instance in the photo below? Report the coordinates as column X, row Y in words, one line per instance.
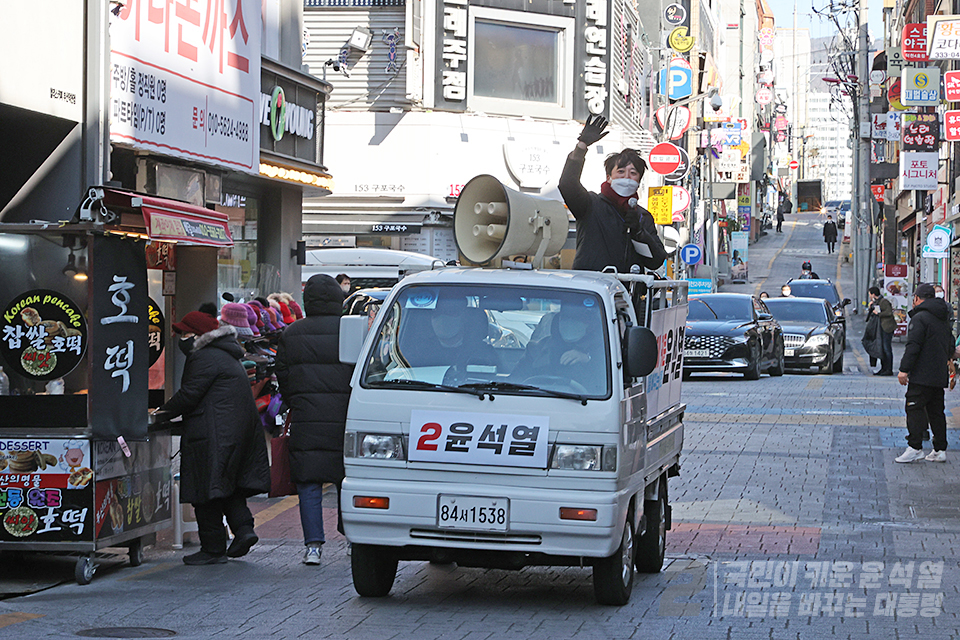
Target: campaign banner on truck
column 185, row 80
column 46, row 490
column 663, row 383
column 479, row 438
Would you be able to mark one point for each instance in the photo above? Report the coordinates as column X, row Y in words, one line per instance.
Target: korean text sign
column 918, row 170
column 943, row 37
column 479, row 438
column 118, row 339
column 185, row 80
column 921, row 131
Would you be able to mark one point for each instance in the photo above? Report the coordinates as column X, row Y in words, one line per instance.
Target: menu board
column 44, row 335
column 46, row 490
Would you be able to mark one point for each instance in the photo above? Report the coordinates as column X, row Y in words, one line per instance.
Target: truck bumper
column 533, row 523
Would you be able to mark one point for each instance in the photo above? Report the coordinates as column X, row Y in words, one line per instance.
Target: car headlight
column 817, row 341
column 584, row 457
column 742, row 339
column 376, row 446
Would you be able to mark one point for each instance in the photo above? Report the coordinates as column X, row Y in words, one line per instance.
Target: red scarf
column 622, row 202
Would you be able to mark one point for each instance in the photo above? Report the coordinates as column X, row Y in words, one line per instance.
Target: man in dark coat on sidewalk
column 613, row 230
column 923, row 370
column 830, row 234
column 316, row 387
column 223, row 457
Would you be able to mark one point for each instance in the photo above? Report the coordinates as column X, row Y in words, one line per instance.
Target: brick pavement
column 791, row 520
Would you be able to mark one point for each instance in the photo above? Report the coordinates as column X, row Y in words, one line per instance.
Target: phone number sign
column 479, row 438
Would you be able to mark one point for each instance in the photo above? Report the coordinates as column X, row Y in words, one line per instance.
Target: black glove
column 632, row 218
column 593, row 130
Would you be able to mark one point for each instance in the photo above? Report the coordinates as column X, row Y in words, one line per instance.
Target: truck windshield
column 511, row 340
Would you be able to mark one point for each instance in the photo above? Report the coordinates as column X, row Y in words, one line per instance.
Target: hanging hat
column 252, row 316
column 285, row 313
column 235, row 314
column 292, row 305
column 275, row 318
column 197, row 323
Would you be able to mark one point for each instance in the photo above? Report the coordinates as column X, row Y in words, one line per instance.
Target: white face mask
column 345, row 288
column 939, row 294
column 624, row 186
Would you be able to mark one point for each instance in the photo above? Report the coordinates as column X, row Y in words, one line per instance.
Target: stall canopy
column 169, row 220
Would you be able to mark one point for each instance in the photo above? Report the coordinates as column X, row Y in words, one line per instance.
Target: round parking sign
column 691, row 253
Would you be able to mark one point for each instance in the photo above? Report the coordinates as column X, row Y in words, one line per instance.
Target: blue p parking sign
column 691, row 253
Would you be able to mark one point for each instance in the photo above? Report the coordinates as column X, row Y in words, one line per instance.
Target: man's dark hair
column 874, row 291
column 341, row 277
column 623, row 159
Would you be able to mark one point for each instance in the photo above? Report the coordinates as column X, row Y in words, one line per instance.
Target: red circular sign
column 764, row 96
column 794, row 164
column 665, row 158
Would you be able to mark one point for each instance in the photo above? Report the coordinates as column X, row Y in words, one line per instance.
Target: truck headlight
column 817, row 341
column 377, row 446
column 584, row 457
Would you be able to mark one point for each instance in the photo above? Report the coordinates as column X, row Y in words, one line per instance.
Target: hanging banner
column 896, row 289
column 921, row 132
column 918, row 171
column 118, row 338
column 738, row 250
column 660, row 204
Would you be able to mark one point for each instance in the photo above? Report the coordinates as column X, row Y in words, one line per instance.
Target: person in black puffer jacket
column 223, row 458
column 316, row 387
column 613, row 230
column 924, row 371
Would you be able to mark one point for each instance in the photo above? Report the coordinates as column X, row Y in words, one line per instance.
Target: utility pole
column 864, row 213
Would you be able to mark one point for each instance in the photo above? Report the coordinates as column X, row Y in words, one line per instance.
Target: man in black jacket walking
column 923, row 370
column 612, row 229
column 830, row 234
column 316, row 386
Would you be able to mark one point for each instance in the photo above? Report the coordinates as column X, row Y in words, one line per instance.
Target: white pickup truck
column 514, row 418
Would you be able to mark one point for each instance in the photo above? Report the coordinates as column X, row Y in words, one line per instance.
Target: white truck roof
column 602, row 283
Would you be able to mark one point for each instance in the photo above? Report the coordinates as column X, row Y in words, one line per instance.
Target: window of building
column 521, row 63
column 237, row 266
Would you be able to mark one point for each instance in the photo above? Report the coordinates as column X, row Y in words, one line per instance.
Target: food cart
column 81, row 466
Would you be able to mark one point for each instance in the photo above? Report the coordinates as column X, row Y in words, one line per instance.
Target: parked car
column 826, row 290
column 812, row 333
column 843, row 213
column 732, row 332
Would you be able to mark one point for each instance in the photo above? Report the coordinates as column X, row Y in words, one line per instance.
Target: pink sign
column 951, row 86
column 951, row 126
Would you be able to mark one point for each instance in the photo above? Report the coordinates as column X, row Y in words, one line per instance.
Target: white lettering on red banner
column 184, row 79
column 479, row 438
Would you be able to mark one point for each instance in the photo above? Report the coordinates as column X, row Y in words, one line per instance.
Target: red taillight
column 368, row 502
column 570, row 513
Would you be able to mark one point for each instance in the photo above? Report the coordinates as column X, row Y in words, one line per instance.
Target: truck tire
column 652, row 545
column 613, row 575
column 374, row 570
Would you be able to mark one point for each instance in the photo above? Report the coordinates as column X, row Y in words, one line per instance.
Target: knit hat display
column 285, row 313
column 292, row 305
column 197, row 323
column 235, row 314
column 252, row 316
column 275, row 318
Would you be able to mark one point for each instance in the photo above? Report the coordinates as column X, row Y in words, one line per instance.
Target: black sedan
column 825, row 290
column 732, row 332
column 812, row 333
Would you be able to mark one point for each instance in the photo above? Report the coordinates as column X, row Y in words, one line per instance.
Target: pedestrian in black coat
column 316, row 387
column 830, row 234
column 924, row 371
column 223, row 457
column 613, row 230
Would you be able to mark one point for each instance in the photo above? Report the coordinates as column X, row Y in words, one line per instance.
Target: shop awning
column 173, row 220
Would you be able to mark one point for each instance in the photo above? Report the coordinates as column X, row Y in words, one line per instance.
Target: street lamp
column 716, row 103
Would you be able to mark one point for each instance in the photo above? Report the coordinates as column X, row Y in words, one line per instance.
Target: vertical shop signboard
column 46, row 490
column 896, row 289
column 118, row 330
column 739, row 262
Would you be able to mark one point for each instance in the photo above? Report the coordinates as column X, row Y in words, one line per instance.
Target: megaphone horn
column 491, row 221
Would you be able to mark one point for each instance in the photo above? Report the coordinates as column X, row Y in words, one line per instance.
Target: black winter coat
column 830, row 231
column 222, row 450
column 603, row 238
column 315, row 385
column 929, row 344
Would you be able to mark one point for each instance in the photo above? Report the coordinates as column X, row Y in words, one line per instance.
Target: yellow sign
column 660, row 204
column 679, row 40
column 743, row 201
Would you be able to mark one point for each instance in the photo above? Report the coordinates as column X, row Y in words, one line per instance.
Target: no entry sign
column 664, row 158
column 794, row 165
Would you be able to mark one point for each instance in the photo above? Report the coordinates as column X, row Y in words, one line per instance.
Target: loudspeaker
column 491, row 221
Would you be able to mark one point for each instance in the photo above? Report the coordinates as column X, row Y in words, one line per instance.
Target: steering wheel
column 558, row 382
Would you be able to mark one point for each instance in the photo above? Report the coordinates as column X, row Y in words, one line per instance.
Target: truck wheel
column 652, row 545
column 613, row 575
column 374, row 570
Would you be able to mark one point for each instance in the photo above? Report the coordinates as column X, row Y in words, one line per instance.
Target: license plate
column 789, row 352
column 696, row 353
column 466, row 512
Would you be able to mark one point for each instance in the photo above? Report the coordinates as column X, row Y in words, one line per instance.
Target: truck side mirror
column 639, row 352
column 353, row 332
